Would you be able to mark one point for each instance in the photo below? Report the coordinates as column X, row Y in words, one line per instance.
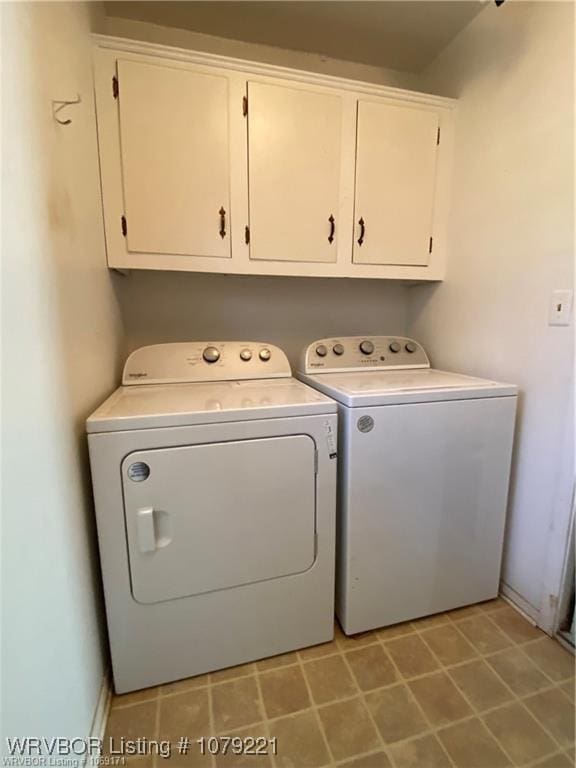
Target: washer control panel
column 359, row 353
column 205, row 361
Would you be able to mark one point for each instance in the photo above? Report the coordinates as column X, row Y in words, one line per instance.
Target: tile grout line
column 364, row 702
column 400, row 681
column 404, row 681
column 481, row 714
column 445, row 670
column 359, row 693
column 157, row 716
column 315, row 709
column 515, row 642
column 551, row 686
column 211, row 720
column 479, row 657
column 490, row 654
column 431, row 729
column 264, row 713
column 483, row 657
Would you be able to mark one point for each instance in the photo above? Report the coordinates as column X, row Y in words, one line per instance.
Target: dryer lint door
column 207, row 517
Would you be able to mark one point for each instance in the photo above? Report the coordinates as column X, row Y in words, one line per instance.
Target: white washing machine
column 214, row 475
column 424, row 464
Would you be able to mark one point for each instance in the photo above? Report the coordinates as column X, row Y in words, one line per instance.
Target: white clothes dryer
column 214, row 479
column 424, row 464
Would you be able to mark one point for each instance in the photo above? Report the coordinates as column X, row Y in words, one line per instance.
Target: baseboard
column 565, row 643
column 518, row 602
column 102, row 708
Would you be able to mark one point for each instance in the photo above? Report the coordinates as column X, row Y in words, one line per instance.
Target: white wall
column 62, row 344
column 511, row 244
column 309, row 62
column 289, row 312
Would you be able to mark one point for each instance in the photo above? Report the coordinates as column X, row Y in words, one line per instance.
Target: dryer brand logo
column 138, row 375
column 365, row 423
column 138, row 471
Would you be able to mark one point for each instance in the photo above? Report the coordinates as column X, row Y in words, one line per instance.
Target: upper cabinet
column 175, row 160
column 294, row 149
column 215, row 165
column 396, row 156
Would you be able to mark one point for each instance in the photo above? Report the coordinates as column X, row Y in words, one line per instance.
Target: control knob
column 321, row 350
column 338, row 349
column 366, row 347
column 410, row 347
column 264, row 354
column 211, row 355
column 246, row 354
column 394, row 347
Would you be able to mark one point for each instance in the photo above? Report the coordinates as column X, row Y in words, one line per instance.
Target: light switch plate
column 560, row 309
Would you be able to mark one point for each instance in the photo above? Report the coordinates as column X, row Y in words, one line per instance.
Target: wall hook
column 58, row 105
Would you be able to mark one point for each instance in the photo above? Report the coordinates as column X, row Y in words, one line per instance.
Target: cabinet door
column 175, row 160
column 294, row 173
column 395, row 181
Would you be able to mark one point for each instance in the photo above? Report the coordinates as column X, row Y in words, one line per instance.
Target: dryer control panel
column 359, row 353
column 205, row 361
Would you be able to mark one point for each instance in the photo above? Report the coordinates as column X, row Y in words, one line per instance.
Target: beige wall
column 511, row 244
column 62, row 344
column 309, row 62
column 289, row 312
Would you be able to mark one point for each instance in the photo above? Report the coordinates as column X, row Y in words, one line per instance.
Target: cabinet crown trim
column 126, row 45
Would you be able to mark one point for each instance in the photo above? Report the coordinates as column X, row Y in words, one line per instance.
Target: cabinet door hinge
column 115, row 87
column 438, row 136
column 124, row 226
column 315, row 461
column 430, row 246
column 245, row 105
column 247, row 235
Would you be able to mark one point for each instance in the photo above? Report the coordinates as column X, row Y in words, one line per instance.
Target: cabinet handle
column 362, row 231
column 222, row 213
column 332, row 221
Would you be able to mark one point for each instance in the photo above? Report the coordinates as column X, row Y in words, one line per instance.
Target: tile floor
column 478, row 687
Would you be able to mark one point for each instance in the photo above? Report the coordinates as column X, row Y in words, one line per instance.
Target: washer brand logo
column 139, row 375
column 365, row 424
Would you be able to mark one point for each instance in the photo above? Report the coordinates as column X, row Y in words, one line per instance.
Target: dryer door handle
column 145, row 527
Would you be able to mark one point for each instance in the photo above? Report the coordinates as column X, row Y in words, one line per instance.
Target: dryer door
column 205, row 517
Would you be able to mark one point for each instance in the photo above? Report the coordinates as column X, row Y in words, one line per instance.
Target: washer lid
column 404, row 386
column 174, row 405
